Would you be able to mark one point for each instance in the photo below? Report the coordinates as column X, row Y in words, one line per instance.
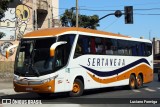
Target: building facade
column 156, row 48
column 24, row 16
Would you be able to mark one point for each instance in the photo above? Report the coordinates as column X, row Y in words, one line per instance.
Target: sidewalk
column 6, row 85
column 6, row 88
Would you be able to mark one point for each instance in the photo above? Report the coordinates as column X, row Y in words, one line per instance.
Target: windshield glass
column 33, row 57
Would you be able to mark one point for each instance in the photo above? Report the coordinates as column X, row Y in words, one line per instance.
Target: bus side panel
column 60, row 81
column 77, row 68
column 148, row 75
column 108, row 71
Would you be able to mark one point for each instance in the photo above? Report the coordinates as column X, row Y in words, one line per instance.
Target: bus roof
column 56, row 31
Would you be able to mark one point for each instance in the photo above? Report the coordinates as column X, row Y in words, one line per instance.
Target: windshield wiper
column 35, row 71
column 18, row 72
column 32, row 62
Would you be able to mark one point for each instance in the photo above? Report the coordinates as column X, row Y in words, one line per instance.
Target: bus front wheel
column 77, row 89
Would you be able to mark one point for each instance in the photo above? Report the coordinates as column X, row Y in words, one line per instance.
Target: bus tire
column 139, row 82
column 132, row 82
column 78, row 88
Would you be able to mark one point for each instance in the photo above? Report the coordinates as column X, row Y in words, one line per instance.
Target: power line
column 147, row 14
column 147, row 9
column 149, row 3
column 87, row 9
column 95, row 9
column 122, row 10
column 111, row 24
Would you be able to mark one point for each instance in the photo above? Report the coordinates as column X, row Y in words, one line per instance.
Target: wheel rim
column 132, row 82
column 138, row 81
column 76, row 88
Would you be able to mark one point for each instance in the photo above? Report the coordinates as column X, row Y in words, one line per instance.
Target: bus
column 76, row 59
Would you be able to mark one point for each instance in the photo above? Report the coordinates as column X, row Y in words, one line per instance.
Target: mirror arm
column 54, row 46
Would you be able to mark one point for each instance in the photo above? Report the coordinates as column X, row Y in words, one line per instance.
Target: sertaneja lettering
column 105, row 62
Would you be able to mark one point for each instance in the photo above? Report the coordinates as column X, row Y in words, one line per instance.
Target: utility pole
column 35, row 27
column 76, row 13
column 149, row 34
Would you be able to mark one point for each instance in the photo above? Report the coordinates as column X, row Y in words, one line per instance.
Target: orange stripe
column 144, row 69
column 55, row 31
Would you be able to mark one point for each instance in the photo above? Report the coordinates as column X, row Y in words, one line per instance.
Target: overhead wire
column 149, row 3
column 110, row 24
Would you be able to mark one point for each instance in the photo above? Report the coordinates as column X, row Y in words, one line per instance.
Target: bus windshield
column 33, row 56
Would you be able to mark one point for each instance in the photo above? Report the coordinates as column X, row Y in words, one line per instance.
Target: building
column 156, row 48
column 24, row 16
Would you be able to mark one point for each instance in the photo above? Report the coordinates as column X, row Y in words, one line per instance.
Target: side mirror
column 8, row 50
column 54, row 46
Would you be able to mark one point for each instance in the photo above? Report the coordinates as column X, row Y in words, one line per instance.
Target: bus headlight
column 49, row 79
column 45, row 80
column 15, row 79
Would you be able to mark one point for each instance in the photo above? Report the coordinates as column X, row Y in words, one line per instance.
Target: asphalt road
column 148, row 95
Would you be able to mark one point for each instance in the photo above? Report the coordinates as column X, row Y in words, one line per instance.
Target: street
column 116, row 95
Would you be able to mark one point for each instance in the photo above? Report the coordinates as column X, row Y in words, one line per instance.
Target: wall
column 19, row 19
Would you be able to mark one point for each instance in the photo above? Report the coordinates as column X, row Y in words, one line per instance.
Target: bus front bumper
column 47, row 87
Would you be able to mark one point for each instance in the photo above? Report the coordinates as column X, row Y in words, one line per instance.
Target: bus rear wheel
column 77, row 89
column 132, row 82
column 139, row 82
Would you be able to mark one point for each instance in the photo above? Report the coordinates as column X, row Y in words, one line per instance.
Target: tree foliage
column 69, row 20
column 3, row 6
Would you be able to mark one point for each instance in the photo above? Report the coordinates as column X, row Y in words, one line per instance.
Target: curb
column 4, row 92
column 7, row 91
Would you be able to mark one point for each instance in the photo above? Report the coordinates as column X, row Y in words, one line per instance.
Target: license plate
column 29, row 89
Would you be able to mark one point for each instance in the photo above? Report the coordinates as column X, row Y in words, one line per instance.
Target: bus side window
column 108, row 47
column 79, row 47
column 78, row 50
column 99, row 45
column 134, row 50
column 148, row 49
column 92, row 45
column 85, row 45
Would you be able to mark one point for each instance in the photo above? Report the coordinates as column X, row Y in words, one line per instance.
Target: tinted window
column 63, row 51
column 134, row 48
column 110, row 46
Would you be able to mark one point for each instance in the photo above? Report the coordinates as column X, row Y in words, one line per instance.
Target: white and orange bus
column 75, row 59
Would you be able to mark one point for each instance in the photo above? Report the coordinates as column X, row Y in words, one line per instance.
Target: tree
column 3, row 7
column 69, row 20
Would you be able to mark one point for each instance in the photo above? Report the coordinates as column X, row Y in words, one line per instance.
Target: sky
column 146, row 16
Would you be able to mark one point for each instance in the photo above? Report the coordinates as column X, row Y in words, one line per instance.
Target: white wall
column 55, row 5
